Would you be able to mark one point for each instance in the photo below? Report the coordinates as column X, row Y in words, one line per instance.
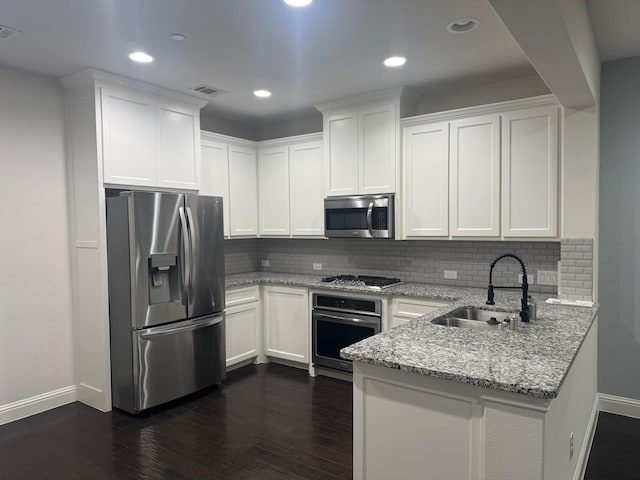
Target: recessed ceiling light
column 395, row 62
column 262, row 93
column 141, row 57
column 177, row 36
column 298, row 3
column 463, row 25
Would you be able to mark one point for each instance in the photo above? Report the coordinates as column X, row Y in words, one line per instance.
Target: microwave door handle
column 369, row 214
column 193, row 260
column 186, row 254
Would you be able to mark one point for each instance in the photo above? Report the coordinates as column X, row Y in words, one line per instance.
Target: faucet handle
column 490, row 296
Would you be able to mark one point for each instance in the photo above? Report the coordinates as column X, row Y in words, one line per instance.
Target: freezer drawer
column 178, row 359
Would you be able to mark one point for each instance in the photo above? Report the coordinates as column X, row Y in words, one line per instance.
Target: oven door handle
column 360, row 321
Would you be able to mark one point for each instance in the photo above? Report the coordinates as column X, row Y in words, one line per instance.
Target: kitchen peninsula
column 438, row 402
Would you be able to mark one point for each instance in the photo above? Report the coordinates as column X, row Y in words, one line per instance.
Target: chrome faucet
column 524, row 309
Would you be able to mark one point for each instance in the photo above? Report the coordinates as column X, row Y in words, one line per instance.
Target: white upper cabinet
column 425, row 162
column 129, row 138
column 342, row 157
column 178, row 147
column 306, row 189
column 214, row 179
column 475, row 177
column 149, row 142
column 273, row 181
column 530, row 172
column 378, row 149
column 243, row 192
column 362, row 141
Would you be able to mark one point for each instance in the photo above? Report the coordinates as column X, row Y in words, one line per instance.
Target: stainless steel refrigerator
column 166, row 296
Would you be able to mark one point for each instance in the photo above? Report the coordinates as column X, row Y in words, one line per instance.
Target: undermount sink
column 472, row 317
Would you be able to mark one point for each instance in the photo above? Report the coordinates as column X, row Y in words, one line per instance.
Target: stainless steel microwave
column 362, row 216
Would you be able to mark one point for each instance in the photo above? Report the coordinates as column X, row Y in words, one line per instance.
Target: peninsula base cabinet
column 286, row 323
column 403, row 310
column 243, row 325
column 409, row 426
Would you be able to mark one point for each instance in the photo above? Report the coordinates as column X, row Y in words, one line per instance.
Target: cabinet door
column 214, row 175
column 475, row 177
column 530, row 173
column 128, row 138
column 178, row 135
column 378, row 149
column 341, row 154
column 273, row 191
column 306, row 190
column 241, row 333
column 243, row 192
column 287, row 320
column 425, row 166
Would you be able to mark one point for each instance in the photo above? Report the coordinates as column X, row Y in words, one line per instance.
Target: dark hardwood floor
column 269, row 422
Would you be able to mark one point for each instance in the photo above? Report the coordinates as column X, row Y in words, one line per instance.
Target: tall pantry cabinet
column 120, row 133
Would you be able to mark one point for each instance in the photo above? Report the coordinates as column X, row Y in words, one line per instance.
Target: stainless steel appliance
column 338, row 322
column 367, row 281
column 364, row 216
column 166, row 296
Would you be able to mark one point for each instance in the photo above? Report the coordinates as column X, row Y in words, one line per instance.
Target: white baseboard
column 37, row 404
column 629, row 407
column 583, row 456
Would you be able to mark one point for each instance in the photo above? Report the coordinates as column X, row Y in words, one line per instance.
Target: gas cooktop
column 368, row 281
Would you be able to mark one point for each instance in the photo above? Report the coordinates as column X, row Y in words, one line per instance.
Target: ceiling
column 615, row 25
column 331, row 49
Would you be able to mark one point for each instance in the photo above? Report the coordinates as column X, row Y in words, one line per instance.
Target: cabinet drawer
column 242, row 295
column 414, row 308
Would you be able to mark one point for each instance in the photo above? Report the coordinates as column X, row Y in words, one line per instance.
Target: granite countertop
column 532, row 361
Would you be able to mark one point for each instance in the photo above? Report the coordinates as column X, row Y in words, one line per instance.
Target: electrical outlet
column 317, row 266
column 451, row 274
column 571, row 446
column 529, row 278
column 264, row 263
column 547, row 277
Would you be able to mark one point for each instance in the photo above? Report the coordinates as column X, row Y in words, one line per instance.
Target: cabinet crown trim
column 92, row 76
column 491, row 108
column 366, row 99
column 219, row 137
column 287, row 141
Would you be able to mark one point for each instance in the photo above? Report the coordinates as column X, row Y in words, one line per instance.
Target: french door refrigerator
column 166, row 296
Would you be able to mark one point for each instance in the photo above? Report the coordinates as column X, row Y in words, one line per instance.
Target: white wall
column 35, row 286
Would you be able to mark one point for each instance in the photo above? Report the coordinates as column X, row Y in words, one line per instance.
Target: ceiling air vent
column 7, row 32
column 207, row 90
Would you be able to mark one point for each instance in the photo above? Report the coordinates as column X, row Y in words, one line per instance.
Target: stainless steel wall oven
column 338, row 322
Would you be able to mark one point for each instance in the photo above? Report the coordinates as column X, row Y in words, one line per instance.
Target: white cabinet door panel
column 426, row 180
column 378, row 152
column 475, row 176
column 306, row 189
column 273, row 180
column 129, row 138
column 178, row 153
column 241, row 333
column 214, row 175
column 243, row 191
column 530, row 172
column 341, row 154
column 287, row 320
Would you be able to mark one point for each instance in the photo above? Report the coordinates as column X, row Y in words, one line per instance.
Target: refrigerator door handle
column 194, row 251
column 161, row 331
column 186, row 245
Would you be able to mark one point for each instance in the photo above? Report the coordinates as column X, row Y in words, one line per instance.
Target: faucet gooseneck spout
column 524, row 306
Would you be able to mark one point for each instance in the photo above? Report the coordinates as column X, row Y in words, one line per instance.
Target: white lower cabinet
column 404, row 309
column 287, row 323
column 243, row 321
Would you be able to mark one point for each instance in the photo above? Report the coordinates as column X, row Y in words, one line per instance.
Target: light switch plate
column 264, row 263
column 317, row 266
column 547, row 277
column 451, row 274
column 529, row 279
